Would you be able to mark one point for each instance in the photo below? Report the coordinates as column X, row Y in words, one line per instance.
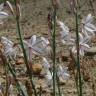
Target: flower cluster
column 88, row 30
column 65, row 36
column 62, row 72
column 36, row 46
column 9, row 49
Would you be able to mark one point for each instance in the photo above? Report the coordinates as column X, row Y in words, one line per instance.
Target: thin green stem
column 57, row 78
column 74, row 74
column 17, row 83
column 54, row 51
column 25, row 57
column 76, row 81
column 12, row 72
column 78, row 55
column 24, row 53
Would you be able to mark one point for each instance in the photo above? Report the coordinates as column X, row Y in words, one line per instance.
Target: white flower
column 66, row 39
column 8, row 47
column 64, row 30
column 48, row 77
column 63, row 27
column 3, row 14
column 45, row 41
column 65, row 36
column 83, row 46
column 36, row 45
column 88, row 28
column 6, row 42
column 63, row 72
column 46, row 45
column 46, row 64
column 32, row 40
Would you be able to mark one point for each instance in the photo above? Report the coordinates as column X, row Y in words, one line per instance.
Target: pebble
column 91, row 51
column 36, row 68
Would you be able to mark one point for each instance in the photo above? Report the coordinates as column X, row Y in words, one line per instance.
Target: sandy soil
column 34, row 21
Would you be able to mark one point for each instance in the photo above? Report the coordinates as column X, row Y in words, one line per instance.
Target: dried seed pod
column 18, row 1
column 18, row 11
column 56, row 3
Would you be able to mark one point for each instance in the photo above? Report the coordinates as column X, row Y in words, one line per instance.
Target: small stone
column 19, row 61
column 91, row 51
column 61, row 81
column 36, row 68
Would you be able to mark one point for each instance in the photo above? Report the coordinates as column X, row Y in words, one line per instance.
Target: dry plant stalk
column 29, row 88
column 56, row 3
column 5, row 68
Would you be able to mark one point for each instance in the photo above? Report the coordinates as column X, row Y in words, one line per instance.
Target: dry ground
column 34, row 21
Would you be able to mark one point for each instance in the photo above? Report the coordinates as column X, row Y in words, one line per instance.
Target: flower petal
column 89, row 30
column 63, row 26
column 85, row 47
column 91, row 26
column 1, row 6
column 89, row 18
column 80, row 37
column 45, row 41
column 46, row 64
column 81, row 52
column 33, row 40
column 3, row 15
